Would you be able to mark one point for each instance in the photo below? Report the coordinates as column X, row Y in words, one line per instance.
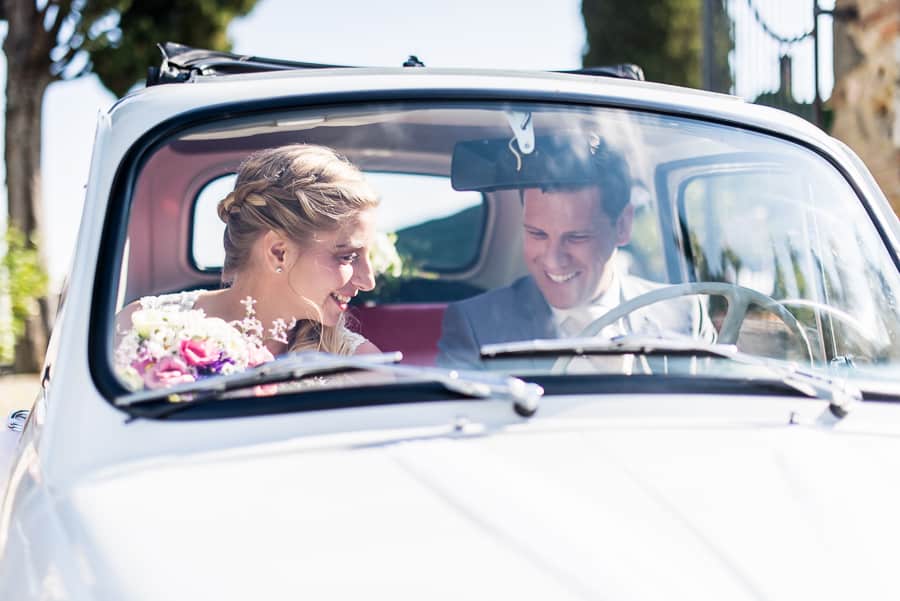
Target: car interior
column 709, row 206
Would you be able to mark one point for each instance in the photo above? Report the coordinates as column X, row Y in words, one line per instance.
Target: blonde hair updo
column 297, row 190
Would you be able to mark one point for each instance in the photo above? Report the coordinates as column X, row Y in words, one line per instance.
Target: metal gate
column 782, row 54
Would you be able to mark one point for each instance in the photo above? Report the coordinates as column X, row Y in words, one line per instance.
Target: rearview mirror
column 498, row 164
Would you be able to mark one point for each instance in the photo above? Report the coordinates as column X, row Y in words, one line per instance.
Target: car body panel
column 779, row 510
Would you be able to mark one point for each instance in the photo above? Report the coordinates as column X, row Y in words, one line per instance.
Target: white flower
column 384, row 257
column 249, row 303
column 132, row 379
column 147, row 321
column 156, row 348
column 279, row 330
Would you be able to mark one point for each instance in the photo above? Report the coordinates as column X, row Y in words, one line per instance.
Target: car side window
column 438, row 229
column 207, row 252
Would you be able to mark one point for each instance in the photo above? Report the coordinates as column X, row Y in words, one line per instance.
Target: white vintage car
column 756, row 457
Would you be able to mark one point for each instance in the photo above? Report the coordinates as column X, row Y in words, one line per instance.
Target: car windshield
column 439, row 229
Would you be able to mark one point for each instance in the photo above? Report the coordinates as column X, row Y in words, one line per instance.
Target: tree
column 663, row 37
column 49, row 40
column 866, row 96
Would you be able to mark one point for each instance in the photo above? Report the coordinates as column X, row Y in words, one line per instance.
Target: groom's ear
column 623, row 225
column 275, row 249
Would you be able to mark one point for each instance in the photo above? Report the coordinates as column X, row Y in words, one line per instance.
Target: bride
column 298, row 227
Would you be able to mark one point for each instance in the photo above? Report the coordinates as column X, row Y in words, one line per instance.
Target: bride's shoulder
column 366, row 347
column 357, row 344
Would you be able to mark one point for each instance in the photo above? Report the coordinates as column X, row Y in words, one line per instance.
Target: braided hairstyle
column 298, row 190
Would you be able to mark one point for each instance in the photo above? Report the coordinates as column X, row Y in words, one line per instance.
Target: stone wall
column 866, row 97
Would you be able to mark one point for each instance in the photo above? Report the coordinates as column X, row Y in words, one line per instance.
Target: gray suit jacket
column 519, row 312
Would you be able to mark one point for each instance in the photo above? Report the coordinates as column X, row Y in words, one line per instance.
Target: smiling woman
column 298, row 226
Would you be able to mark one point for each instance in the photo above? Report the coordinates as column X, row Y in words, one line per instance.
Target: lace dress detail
column 354, row 340
column 177, row 301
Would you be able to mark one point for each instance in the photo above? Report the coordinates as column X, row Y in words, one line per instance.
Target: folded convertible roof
column 180, row 63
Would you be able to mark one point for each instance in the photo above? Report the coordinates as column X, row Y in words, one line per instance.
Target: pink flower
column 199, row 353
column 142, row 364
column 166, row 372
column 258, row 355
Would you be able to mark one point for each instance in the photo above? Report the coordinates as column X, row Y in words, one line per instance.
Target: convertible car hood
column 610, row 513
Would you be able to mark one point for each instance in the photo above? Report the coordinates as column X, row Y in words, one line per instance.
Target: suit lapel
column 535, row 317
column 530, row 317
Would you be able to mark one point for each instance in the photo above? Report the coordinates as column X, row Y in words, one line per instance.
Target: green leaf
column 22, row 282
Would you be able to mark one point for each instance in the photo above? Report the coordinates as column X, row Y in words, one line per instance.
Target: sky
column 527, row 34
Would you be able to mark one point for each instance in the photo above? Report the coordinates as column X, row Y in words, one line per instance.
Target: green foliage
column 448, row 242
column 664, row 37
column 418, row 253
column 22, row 281
column 120, row 36
column 393, row 269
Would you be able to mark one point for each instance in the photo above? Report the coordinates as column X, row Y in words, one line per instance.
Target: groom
column 571, row 234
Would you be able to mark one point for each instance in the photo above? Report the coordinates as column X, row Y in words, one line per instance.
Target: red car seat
column 412, row 328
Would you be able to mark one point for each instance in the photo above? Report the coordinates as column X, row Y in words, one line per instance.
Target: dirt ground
column 17, row 392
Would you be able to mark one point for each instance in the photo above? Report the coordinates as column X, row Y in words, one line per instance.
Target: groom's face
column 569, row 241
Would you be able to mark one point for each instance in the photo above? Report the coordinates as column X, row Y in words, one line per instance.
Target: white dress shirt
column 572, row 321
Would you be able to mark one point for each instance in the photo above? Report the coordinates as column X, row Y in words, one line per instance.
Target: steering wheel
column 739, row 301
column 864, row 340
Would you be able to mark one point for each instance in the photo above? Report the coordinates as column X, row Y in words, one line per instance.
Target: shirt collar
column 584, row 314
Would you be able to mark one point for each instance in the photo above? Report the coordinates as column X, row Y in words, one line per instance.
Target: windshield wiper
column 523, row 395
column 620, row 345
column 292, row 367
column 839, row 393
column 298, row 366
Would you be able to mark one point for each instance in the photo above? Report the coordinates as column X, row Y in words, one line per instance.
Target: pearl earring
column 279, row 269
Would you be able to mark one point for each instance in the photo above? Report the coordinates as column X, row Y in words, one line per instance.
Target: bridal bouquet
column 168, row 345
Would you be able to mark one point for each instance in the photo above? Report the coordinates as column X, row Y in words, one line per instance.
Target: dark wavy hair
column 612, row 177
column 600, row 165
